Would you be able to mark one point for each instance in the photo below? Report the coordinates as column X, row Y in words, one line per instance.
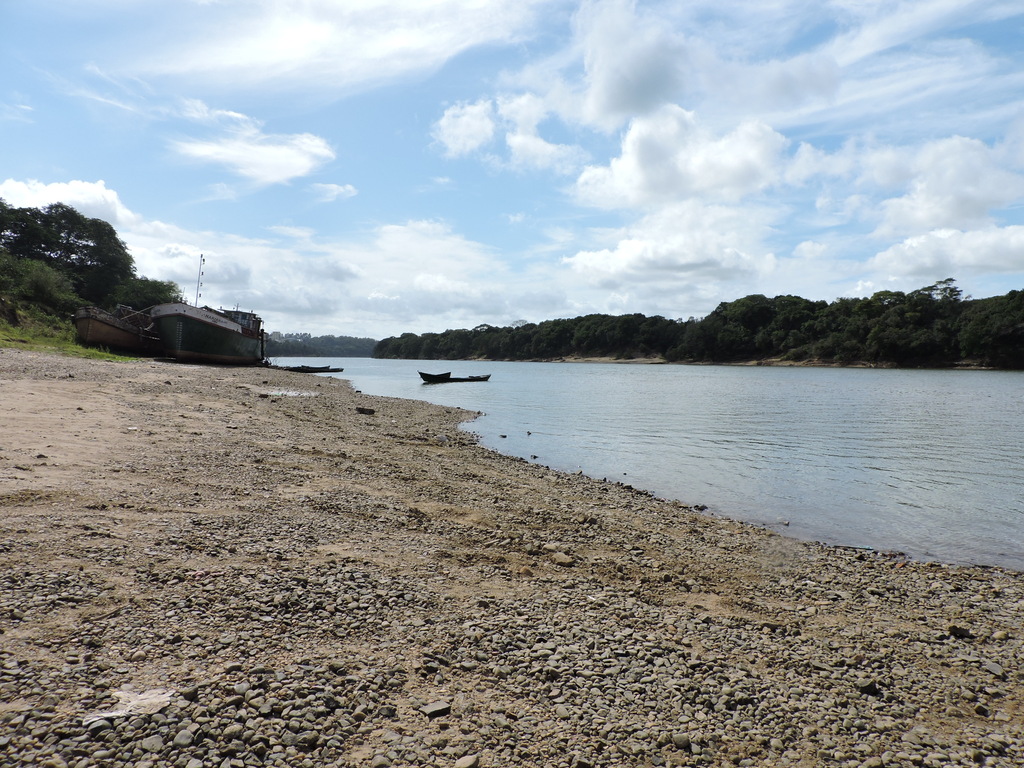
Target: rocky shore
column 213, row 567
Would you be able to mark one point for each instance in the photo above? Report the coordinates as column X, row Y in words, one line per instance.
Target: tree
column 141, row 292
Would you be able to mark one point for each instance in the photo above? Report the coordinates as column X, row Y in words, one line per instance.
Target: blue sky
column 386, row 166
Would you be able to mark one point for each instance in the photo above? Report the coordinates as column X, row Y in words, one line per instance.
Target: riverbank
column 311, row 576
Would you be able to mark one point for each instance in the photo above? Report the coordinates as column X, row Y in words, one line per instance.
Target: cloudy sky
column 374, row 167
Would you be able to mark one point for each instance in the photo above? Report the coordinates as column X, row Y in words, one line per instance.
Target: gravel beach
column 216, row 567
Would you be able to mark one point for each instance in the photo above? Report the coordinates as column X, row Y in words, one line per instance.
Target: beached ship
column 125, row 329
column 204, row 335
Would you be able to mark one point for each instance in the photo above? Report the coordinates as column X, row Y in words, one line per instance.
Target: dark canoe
column 435, row 378
column 447, row 378
column 311, row 368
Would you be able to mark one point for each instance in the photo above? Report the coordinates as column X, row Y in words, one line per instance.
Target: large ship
column 123, row 329
column 204, row 335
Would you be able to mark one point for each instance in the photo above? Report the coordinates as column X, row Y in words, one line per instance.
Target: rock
column 183, row 738
column 436, row 709
column 993, row 668
column 562, row 559
column 152, row 744
column 468, row 761
column 98, row 726
column 868, row 687
column 959, row 632
column 308, row 739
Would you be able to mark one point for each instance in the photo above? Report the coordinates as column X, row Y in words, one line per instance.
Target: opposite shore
column 227, row 567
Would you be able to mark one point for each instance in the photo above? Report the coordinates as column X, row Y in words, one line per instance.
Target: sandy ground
column 127, row 489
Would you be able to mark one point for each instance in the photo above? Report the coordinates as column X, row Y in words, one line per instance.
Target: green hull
column 191, row 335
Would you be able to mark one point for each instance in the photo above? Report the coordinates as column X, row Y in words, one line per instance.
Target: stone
column 98, row 726
column 183, row 738
column 467, row 761
column 436, row 709
column 561, row 559
column 152, row 744
column 993, row 668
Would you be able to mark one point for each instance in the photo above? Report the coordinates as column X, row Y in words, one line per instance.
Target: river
column 930, row 463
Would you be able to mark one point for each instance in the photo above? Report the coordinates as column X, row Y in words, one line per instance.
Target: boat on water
column 447, row 378
column 309, row 368
column 205, row 335
column 125, row 329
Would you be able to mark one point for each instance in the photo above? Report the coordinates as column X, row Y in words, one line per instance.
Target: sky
column 379, row 167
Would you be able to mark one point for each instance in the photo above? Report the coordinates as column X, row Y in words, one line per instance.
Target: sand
column 207, row 530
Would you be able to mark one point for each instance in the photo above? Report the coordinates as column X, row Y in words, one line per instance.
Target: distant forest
column 304, row 345
column 934, row 326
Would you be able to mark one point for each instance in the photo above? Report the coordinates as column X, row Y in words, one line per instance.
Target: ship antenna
column 199, row 280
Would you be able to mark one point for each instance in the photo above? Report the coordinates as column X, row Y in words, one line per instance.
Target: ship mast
column 199, row 280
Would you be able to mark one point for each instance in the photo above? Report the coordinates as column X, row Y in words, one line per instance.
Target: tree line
column 305, row 345
column 55, row 259
column 933, row 326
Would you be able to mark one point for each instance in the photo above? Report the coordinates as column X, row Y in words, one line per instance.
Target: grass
column 45, row 333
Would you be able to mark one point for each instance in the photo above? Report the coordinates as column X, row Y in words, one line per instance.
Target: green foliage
column 54, row 260
column 141, row 292
column 91, row 263
column 34, row 282
column 993, row 330
column 932, row 326
column 31, row 327
column 304, row 345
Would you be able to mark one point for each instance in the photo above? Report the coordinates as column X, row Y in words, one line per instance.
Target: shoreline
column 314, row 583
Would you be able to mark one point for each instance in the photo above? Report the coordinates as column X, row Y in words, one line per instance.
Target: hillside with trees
column 934, row 326
column 305, row 345
column 54, row 260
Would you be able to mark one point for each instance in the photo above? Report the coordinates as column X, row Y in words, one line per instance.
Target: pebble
column 347, row 630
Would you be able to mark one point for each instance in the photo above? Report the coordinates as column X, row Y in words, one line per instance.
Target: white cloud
column 262, row 158
column 877, row 27
column 945, row 252
column 680, row 244
column 464, row 128
column 328, row 193
column 953, row 183
column 633, row 63
column 669, row 156
column 21, row 113
column 325, row 46
column 531, row 151
column 527, row 150
column 90, row 198
column 196, row 110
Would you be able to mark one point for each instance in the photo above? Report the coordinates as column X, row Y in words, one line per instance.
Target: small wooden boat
column 447, row 378
column 435, row 378
column 310, row 368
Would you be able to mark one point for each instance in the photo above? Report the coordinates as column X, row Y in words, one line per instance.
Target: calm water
column 930, row 463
